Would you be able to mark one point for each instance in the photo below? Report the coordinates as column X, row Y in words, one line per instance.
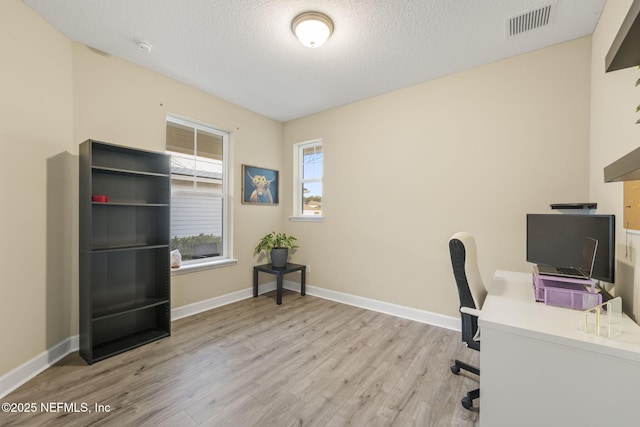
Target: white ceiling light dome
column 312, row 28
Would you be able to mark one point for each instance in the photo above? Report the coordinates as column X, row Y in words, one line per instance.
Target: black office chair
column 462, row 248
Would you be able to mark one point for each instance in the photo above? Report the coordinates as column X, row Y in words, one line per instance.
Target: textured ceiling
column 244, row 51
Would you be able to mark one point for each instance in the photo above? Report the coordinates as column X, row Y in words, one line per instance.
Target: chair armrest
column 471, row 311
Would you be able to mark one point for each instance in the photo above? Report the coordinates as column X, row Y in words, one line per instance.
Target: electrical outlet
column 308, row 269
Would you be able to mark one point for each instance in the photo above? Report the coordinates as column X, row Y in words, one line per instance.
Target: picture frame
column 260, row 186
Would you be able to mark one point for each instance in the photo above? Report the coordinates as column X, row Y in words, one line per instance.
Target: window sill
column 305, row 218
column 190, row 268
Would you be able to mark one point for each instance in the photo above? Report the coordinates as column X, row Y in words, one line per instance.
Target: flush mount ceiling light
column 312, row 28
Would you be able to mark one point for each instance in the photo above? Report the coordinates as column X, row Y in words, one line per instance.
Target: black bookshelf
column 124, row 249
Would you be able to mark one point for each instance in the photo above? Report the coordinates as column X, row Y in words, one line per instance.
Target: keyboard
column 570, row 270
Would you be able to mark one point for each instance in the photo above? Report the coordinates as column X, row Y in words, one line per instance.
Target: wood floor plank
column 307, row 362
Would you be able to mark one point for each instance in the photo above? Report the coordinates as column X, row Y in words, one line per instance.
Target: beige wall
column 118, row 102
column 614, row 133
column 473, row 151
column 37, row 208
column 56, row 94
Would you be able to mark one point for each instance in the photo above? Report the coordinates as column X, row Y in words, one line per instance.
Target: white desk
column 538, row 368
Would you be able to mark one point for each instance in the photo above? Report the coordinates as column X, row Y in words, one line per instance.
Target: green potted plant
column 277, row 245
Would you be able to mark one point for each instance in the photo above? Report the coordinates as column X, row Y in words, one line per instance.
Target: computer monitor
column 557, row 239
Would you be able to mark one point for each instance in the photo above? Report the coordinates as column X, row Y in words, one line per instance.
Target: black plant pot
column 279, row 257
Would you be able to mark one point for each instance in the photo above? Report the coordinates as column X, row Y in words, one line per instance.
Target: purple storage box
column 538, row 289
column 578, row 294
column 571, row 298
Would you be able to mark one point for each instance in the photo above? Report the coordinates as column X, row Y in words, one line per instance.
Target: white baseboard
column 15, row 378
column 447, row 322
column 23, row 373
column 200, row 306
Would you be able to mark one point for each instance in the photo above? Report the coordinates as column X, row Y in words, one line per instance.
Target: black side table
column 279, row 272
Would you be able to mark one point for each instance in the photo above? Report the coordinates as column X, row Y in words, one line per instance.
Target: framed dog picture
column 259, row 185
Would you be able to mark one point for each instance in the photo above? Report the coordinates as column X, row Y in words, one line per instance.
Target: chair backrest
column 462, row 248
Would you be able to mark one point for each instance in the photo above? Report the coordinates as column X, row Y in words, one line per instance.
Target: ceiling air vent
column 529, row 20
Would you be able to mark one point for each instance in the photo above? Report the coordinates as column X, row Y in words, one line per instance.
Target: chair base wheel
column 467, row 403
column 455, row 370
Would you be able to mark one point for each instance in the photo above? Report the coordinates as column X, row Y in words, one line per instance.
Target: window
column 199, row 187
column 307, row 192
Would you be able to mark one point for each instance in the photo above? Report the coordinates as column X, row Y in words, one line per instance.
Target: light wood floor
column 308, row 362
